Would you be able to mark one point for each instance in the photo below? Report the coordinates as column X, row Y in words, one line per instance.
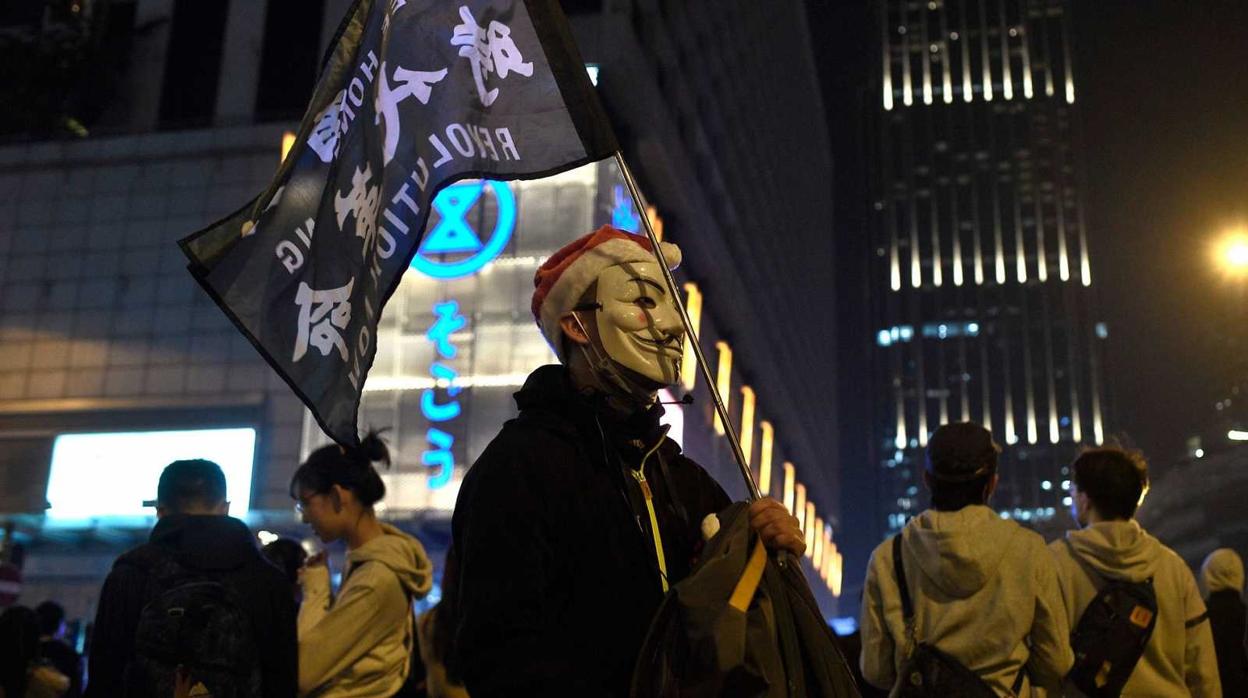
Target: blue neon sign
column 453, row 234
column 623, row 216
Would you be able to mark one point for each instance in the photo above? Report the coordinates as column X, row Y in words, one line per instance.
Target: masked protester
column 580, row 515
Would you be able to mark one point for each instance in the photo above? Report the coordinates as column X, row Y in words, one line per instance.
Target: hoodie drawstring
column 640, row 476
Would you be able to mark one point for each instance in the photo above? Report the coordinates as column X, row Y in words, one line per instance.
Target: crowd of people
column 1105, row 610
column 578, row 520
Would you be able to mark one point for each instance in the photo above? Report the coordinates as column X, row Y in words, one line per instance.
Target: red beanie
column 563, row 279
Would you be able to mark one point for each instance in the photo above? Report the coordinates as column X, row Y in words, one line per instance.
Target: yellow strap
column 654, row 527
column 750, row 578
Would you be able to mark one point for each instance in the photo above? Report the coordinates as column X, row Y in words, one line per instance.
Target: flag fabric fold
column 414, row 96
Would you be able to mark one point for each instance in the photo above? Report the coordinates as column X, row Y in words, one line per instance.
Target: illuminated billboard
column 111, row 474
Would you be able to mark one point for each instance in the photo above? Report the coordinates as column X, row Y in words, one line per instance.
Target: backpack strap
column 903, row 590
column 1017, row 688
column 899, row 569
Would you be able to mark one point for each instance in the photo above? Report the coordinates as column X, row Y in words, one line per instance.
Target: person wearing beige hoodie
column 984, row 589
column 358, row 644
column 1107, row 486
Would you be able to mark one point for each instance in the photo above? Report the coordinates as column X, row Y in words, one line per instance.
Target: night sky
column 1164, row 91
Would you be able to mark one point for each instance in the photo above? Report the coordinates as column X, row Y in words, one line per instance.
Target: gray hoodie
column 360, row 643
column 1179, row 659
column 984, row 591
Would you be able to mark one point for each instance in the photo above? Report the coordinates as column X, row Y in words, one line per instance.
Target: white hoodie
column 1179, row 659
column 360, row 644
column 984, row 591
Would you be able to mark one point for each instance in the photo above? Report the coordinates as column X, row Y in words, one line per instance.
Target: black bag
column 928, row 671
column 195, row 622
column 1111, row 634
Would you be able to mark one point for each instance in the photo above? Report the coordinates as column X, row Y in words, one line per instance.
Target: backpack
column 196, row 622
column 929, row 671
column 1111, row 634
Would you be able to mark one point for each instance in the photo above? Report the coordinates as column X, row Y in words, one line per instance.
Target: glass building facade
column 982, row 285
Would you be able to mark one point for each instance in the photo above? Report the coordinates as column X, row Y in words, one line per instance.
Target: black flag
column 415, row 95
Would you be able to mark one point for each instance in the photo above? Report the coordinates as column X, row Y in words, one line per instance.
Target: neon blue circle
column 503, row 229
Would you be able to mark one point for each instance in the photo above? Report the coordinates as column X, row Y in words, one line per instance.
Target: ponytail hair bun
column 374, row 449
column 349, row 468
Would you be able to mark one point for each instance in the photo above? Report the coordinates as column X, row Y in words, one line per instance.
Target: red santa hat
column 564, row 278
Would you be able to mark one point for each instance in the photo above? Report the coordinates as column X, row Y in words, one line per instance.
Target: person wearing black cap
column 983, row 590
column 196, row 557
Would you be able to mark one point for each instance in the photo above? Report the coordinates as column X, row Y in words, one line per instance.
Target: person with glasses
column 360, row 641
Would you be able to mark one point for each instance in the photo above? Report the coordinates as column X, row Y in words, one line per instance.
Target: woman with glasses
column 359, row 642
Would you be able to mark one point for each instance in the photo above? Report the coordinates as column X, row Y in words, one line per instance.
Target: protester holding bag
column 359, row 643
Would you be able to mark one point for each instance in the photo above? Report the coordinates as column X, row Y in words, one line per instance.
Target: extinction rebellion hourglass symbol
column 453, row 249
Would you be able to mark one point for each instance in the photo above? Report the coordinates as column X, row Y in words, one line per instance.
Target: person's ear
column 161, row 512
column 992, row 486
column 336, row 497
column 573, row 329
column 222, row 509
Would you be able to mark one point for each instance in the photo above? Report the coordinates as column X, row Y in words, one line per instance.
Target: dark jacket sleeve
column 506, row 538
column 112, row 637
column 279, row 647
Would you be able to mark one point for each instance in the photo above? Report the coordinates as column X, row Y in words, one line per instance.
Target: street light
column 1237, row 435
column 1232, row 252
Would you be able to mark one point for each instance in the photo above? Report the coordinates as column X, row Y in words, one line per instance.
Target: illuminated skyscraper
column 981, row 282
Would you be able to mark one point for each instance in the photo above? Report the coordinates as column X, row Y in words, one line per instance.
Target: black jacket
column 556, row 577
column 224, row 549
column 1227, row 620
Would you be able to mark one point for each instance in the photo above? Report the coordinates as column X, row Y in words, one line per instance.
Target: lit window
column 884, row 338
column 799, row 504
column 764, row 456
column 723, row 381
column 1102, row 330
column 1046, row 485
column 688, row 361
column 809, row 529
column 817, row 556
column 747, row 423
column 1066, row 501
column 288, row 142
column 790, row 476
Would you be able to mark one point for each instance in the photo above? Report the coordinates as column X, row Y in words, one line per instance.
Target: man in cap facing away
column 984, row 590
column 194, row 544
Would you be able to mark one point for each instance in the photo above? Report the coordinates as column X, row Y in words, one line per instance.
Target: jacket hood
column 206, row 542
column 1223, row 570
column 959, row 551
column 403, row 554
column 1117, row 550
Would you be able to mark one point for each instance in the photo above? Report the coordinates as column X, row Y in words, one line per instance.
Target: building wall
column 97, row 310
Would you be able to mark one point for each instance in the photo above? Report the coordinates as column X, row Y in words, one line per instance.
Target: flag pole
column 690, row 336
